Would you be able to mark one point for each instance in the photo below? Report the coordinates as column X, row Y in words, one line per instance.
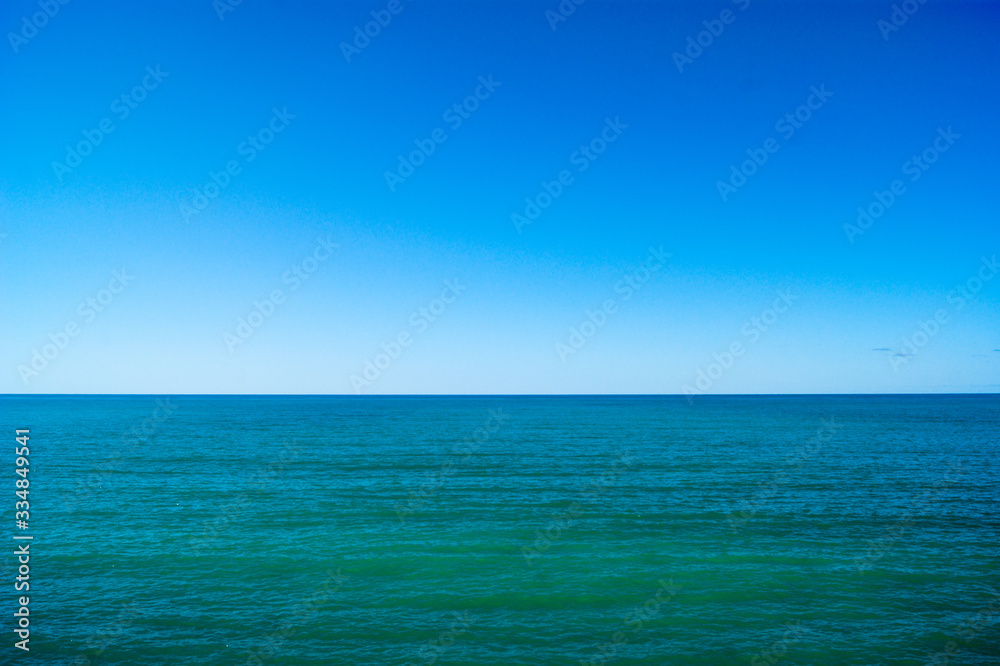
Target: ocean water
column 508, row 530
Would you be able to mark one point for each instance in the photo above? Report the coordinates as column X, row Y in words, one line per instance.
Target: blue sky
column 859, row 309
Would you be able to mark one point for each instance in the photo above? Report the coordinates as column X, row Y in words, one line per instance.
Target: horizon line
column 494, row 395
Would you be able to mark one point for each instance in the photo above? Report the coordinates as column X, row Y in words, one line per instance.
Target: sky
column 499, row 197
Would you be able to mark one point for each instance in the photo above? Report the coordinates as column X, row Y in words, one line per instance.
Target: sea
column 461, row 530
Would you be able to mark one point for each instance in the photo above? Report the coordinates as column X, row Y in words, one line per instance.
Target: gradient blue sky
column 655, row 185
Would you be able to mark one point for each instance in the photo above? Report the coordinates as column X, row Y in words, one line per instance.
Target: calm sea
column 508, row 530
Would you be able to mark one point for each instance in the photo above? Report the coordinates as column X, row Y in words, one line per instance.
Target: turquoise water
column 509, row 530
